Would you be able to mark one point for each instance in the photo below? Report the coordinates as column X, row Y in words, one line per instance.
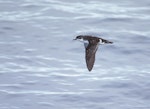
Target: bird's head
column 80, row 38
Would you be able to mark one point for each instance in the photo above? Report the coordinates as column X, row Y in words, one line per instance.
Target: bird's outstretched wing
column 90, row 55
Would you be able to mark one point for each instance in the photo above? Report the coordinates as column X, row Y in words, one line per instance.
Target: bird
column 91, row 44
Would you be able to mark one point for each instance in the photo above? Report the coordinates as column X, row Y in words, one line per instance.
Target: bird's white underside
column 84, row 41
column 87, row 42
column 101, row 42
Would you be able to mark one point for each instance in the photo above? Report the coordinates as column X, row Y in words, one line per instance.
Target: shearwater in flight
column 91, row 44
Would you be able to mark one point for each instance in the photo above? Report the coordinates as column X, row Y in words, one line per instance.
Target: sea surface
column 41, row 67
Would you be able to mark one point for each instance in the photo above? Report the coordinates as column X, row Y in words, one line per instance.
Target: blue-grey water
column 41, row 67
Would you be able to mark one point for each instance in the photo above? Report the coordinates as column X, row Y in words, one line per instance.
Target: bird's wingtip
column 89, row 69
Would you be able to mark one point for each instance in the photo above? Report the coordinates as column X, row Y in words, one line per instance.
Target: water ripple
column 40, row 92
column 85, row 11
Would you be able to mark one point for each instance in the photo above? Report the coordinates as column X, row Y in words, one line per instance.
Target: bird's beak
column 74, row 39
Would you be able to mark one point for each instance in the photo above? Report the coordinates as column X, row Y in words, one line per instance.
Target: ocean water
column 41, row 67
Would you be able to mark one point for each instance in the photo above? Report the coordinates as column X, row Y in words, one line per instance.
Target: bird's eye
column 78, row 37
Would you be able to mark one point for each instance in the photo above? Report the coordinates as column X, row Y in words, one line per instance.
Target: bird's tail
column 106, row 41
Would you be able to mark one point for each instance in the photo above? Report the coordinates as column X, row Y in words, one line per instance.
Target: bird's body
column 91, row 44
